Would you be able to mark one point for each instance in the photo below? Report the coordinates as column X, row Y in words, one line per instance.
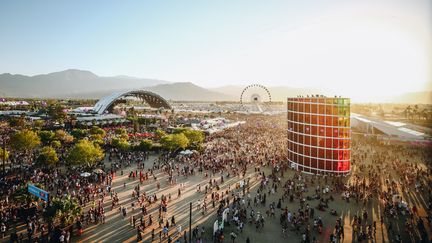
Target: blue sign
column 44, row 195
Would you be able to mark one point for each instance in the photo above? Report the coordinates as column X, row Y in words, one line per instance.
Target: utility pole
column 190, row 222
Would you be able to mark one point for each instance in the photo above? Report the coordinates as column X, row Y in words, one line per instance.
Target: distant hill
column 186, row 91
column 70, row 83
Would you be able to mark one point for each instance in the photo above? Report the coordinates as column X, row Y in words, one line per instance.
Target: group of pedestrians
column 241, row 178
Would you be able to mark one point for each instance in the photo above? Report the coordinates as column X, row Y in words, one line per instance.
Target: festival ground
column 255, row 152
column 118, row 228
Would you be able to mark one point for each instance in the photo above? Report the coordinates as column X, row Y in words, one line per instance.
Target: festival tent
column 186, row 152
column 85, row 174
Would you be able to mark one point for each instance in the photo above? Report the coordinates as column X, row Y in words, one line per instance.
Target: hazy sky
column 355, row 48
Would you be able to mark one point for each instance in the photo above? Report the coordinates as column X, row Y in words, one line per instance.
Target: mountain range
column 70, row 83
column 73, row 83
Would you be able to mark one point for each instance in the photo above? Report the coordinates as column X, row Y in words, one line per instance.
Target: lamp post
column 190, row 222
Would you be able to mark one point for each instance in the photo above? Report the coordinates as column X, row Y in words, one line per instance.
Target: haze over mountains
column 73, row 83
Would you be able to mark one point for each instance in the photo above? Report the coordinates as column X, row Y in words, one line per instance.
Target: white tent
column 85, row 174
column 186, row 152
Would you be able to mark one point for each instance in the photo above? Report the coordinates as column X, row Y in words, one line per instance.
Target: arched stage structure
column 152, row 99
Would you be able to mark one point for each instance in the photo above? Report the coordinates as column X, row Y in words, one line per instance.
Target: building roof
column 390, row 128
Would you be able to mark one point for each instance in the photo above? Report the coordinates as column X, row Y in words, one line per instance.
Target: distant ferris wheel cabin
column 107, row 103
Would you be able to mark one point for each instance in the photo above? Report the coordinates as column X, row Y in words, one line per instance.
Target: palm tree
column 423, row 114
column 415, row 111
column 407, row 112
column 63, row 211
column 71, row 210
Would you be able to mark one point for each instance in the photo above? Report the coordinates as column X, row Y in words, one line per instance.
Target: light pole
column 190, row 222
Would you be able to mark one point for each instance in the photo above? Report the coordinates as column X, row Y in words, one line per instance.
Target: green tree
column 120, row 131
column 46, row 136
column 174, row 141
column 63, row 211
column 68, row 139
column 124, row 136
column 196, row 138
column 18, row 122
column 415, row 111
column 47, row 156
column 180, row 140
column 56, row 144
column 93, row 137
column 98, row 142
column 84, row 153
column 57, row 112
column 156, row 147
column 24, row 140
column 167, row 143
column 424, row 114
column 79, row 133
column 120, row 144
column 178, row 130
column 160, row 133
column 408, row 112
column 136, row 126
column 38, row 124
column 145, row 145
column 61, row 135
column 95, row 130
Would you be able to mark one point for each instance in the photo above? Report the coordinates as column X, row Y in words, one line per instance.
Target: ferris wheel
column 255, row 97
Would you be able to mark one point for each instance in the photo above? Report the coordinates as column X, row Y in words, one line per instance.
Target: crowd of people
column 241, row 179
column 259, row 144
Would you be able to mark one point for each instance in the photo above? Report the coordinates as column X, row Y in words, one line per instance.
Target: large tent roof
column 152, row 99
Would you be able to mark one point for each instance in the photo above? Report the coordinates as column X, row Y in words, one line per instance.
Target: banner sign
column 44, row 195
